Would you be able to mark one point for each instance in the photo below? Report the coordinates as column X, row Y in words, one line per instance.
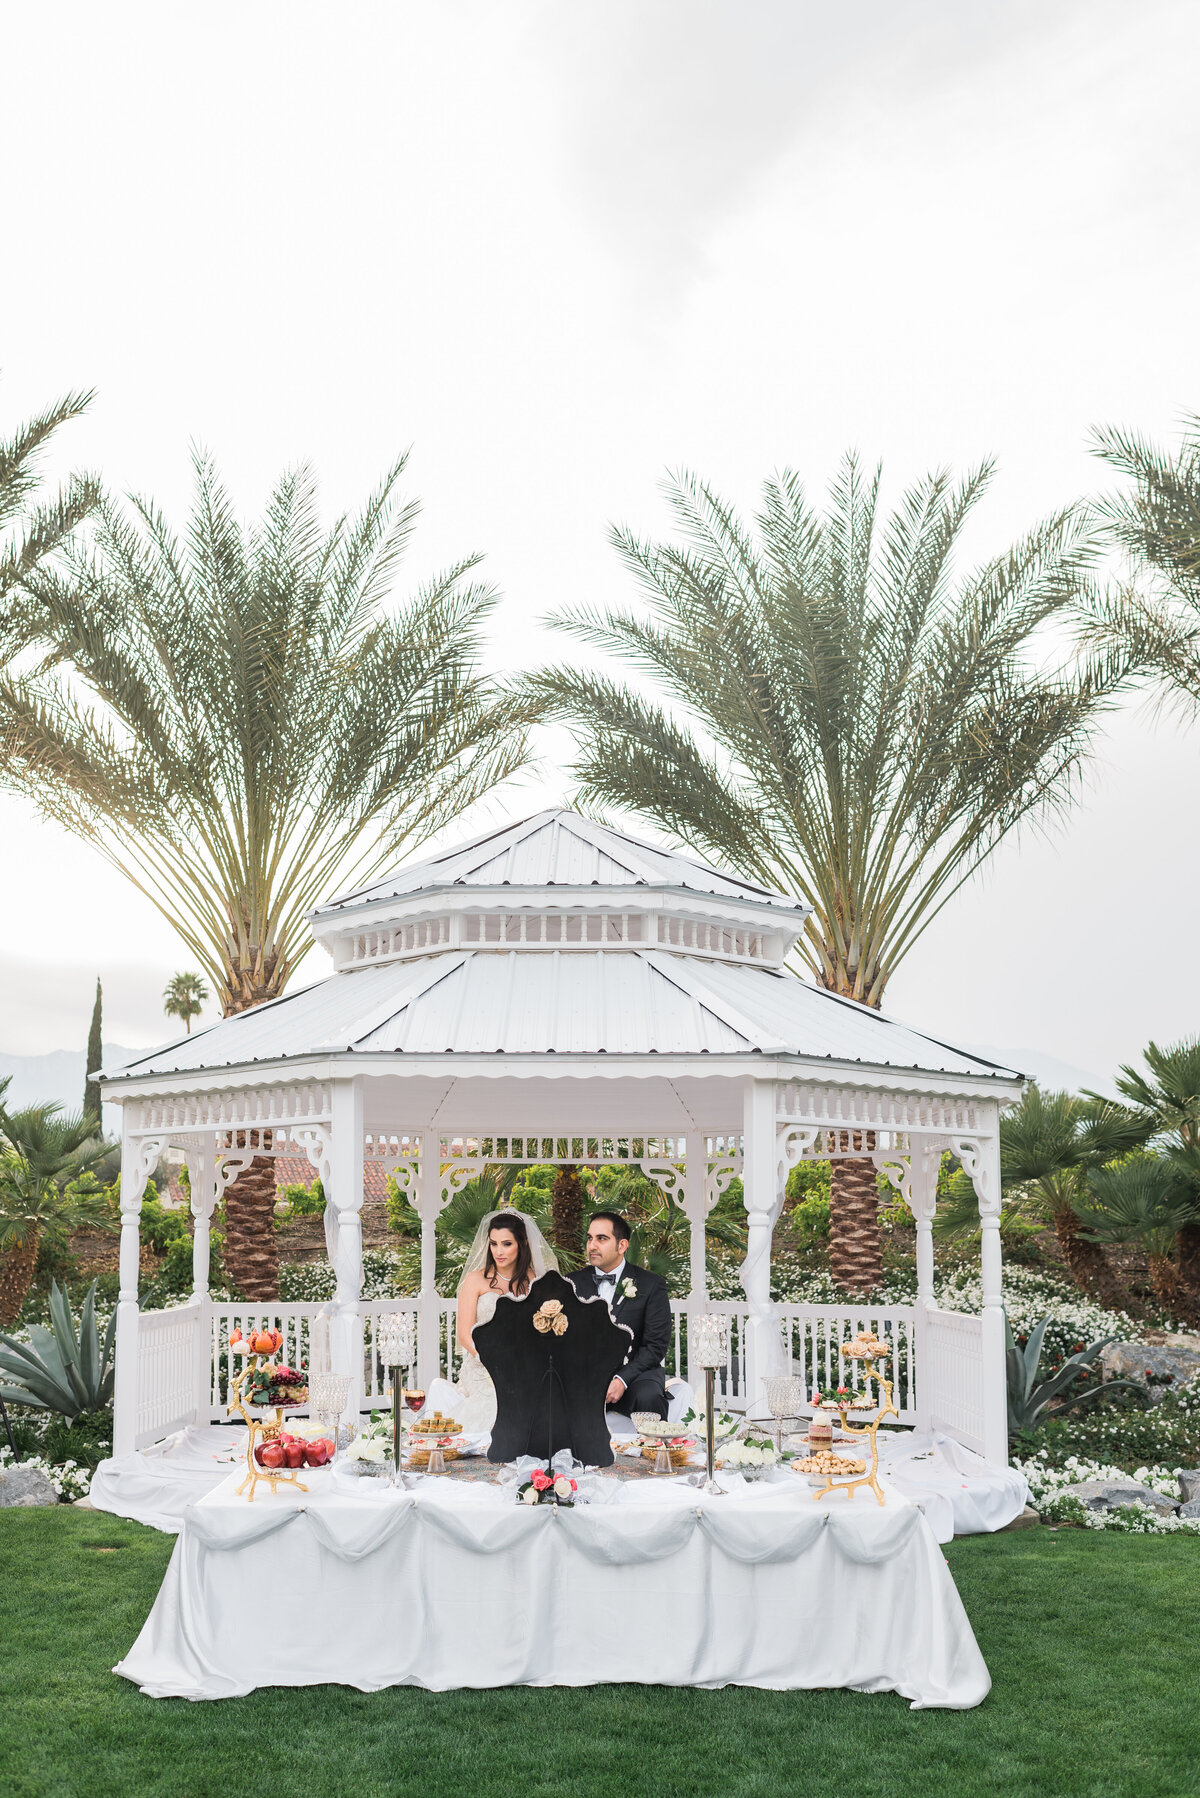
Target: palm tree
column 1168, row 1096
column 1050, row 1146
column 41, row 1152
column 832, row 711
column 242, row 718
column 1147, row 1200
column 185, row 997
column 31, row 534
column 1158, row 527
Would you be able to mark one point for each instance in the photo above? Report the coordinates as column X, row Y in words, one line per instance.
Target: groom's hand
column 615, row 1389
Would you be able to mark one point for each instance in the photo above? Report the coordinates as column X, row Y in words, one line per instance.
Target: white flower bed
column 68, row 1478
column 1047, row 1486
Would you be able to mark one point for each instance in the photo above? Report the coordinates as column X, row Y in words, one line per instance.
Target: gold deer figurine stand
column 259, row 1430
column 868, row 1350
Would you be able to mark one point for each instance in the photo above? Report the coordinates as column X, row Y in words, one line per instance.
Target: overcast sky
column 560, row 250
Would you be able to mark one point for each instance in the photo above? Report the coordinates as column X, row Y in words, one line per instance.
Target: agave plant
column 58, row 1369
column 1028, row 1396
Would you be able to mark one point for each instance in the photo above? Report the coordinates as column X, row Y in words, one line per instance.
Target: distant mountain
column 1051, row 1074
column 57, row 1079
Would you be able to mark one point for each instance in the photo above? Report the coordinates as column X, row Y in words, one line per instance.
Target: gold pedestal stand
column 259, row 1429
column 868, row 1433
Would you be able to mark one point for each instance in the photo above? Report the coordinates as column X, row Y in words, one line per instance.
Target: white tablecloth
column 456, row 1585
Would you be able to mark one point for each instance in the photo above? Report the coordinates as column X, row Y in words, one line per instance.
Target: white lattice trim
column 856, row 1109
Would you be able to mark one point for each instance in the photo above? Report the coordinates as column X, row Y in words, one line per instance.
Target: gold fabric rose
column 550, row 1317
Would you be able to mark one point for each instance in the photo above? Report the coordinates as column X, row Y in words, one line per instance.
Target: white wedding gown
column 471, row 1401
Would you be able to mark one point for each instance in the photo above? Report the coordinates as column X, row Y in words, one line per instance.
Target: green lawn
column 1091, row 1640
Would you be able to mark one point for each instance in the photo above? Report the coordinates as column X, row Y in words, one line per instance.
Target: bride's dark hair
column 519, row 1282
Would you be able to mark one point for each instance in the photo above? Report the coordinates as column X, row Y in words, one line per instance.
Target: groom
column 638, row 1299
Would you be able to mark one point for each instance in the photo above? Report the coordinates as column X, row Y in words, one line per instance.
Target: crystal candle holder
column 708, row 1339
column 395, row 1339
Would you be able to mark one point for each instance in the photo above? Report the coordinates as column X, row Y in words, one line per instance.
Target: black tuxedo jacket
column 647, row 1314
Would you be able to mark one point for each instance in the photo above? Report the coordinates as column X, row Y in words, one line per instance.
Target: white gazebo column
column 924, row 1162
column 982, row 1162
column 139, row 1157
column 345, row 1195
column 696, row 1204
column 763, row 1191
column 202, row 1181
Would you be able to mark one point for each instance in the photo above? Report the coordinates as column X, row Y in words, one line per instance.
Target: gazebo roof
column 475, row 1003
column 555, row 849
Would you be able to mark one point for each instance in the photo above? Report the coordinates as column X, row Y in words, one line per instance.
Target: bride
column 509, row 1252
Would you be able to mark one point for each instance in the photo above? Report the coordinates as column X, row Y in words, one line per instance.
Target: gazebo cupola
column 559, row 884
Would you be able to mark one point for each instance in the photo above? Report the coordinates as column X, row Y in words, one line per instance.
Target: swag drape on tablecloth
column 458, row 1586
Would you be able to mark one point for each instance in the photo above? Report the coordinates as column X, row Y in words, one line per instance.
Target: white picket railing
column 952, row 1376
column 811, row 1334
column 166, row 1372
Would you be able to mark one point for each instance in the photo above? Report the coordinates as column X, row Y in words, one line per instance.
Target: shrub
column 301, row 1201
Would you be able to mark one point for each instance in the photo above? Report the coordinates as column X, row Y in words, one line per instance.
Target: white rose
column 562, row 1486
column 529, row 1496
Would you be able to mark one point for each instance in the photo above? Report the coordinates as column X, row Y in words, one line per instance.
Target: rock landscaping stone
column 1191, row 1508
column 1025, row 1521
column 25, row 1486
column 1107, row 1495
column 1189, row 1483
column 1150, row 1363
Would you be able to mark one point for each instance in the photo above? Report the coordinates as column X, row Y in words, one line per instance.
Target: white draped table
column 455, row 1584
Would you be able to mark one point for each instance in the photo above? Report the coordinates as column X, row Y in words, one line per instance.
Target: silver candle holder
column 708, row 1346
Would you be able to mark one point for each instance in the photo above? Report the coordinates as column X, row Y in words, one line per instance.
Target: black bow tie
column 603, row 1276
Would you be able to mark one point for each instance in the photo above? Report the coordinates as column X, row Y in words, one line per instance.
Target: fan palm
column 1147, row 1200
column 1050, row 1145
column 833, row 712
column 1168, row 1095
column 42, row 1153
column 241, row 719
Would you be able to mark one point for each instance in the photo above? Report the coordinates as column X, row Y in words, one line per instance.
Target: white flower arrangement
column 723, row 1424
column 367, row 1448
column 748, row 1454
column 628, row 1289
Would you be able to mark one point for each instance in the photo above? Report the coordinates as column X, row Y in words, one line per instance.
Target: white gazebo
column 558, row 991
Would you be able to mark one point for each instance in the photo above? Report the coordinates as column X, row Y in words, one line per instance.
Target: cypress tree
column 95, row 1055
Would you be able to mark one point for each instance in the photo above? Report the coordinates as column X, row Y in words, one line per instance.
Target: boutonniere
column 628, row 1289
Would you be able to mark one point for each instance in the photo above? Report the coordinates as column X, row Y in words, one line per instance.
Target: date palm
column 1156, row 621
column 32, row 531
column 243, row 718
column 831, row 709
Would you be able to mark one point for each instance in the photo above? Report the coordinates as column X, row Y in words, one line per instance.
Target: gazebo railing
column 811, row 1336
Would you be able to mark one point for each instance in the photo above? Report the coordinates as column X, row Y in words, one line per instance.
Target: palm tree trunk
column 855, row 1245
column 1087, row 1263
column 1187, row 1250
column 251, row 1252
column 17, row 1266
column 566, row 1205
